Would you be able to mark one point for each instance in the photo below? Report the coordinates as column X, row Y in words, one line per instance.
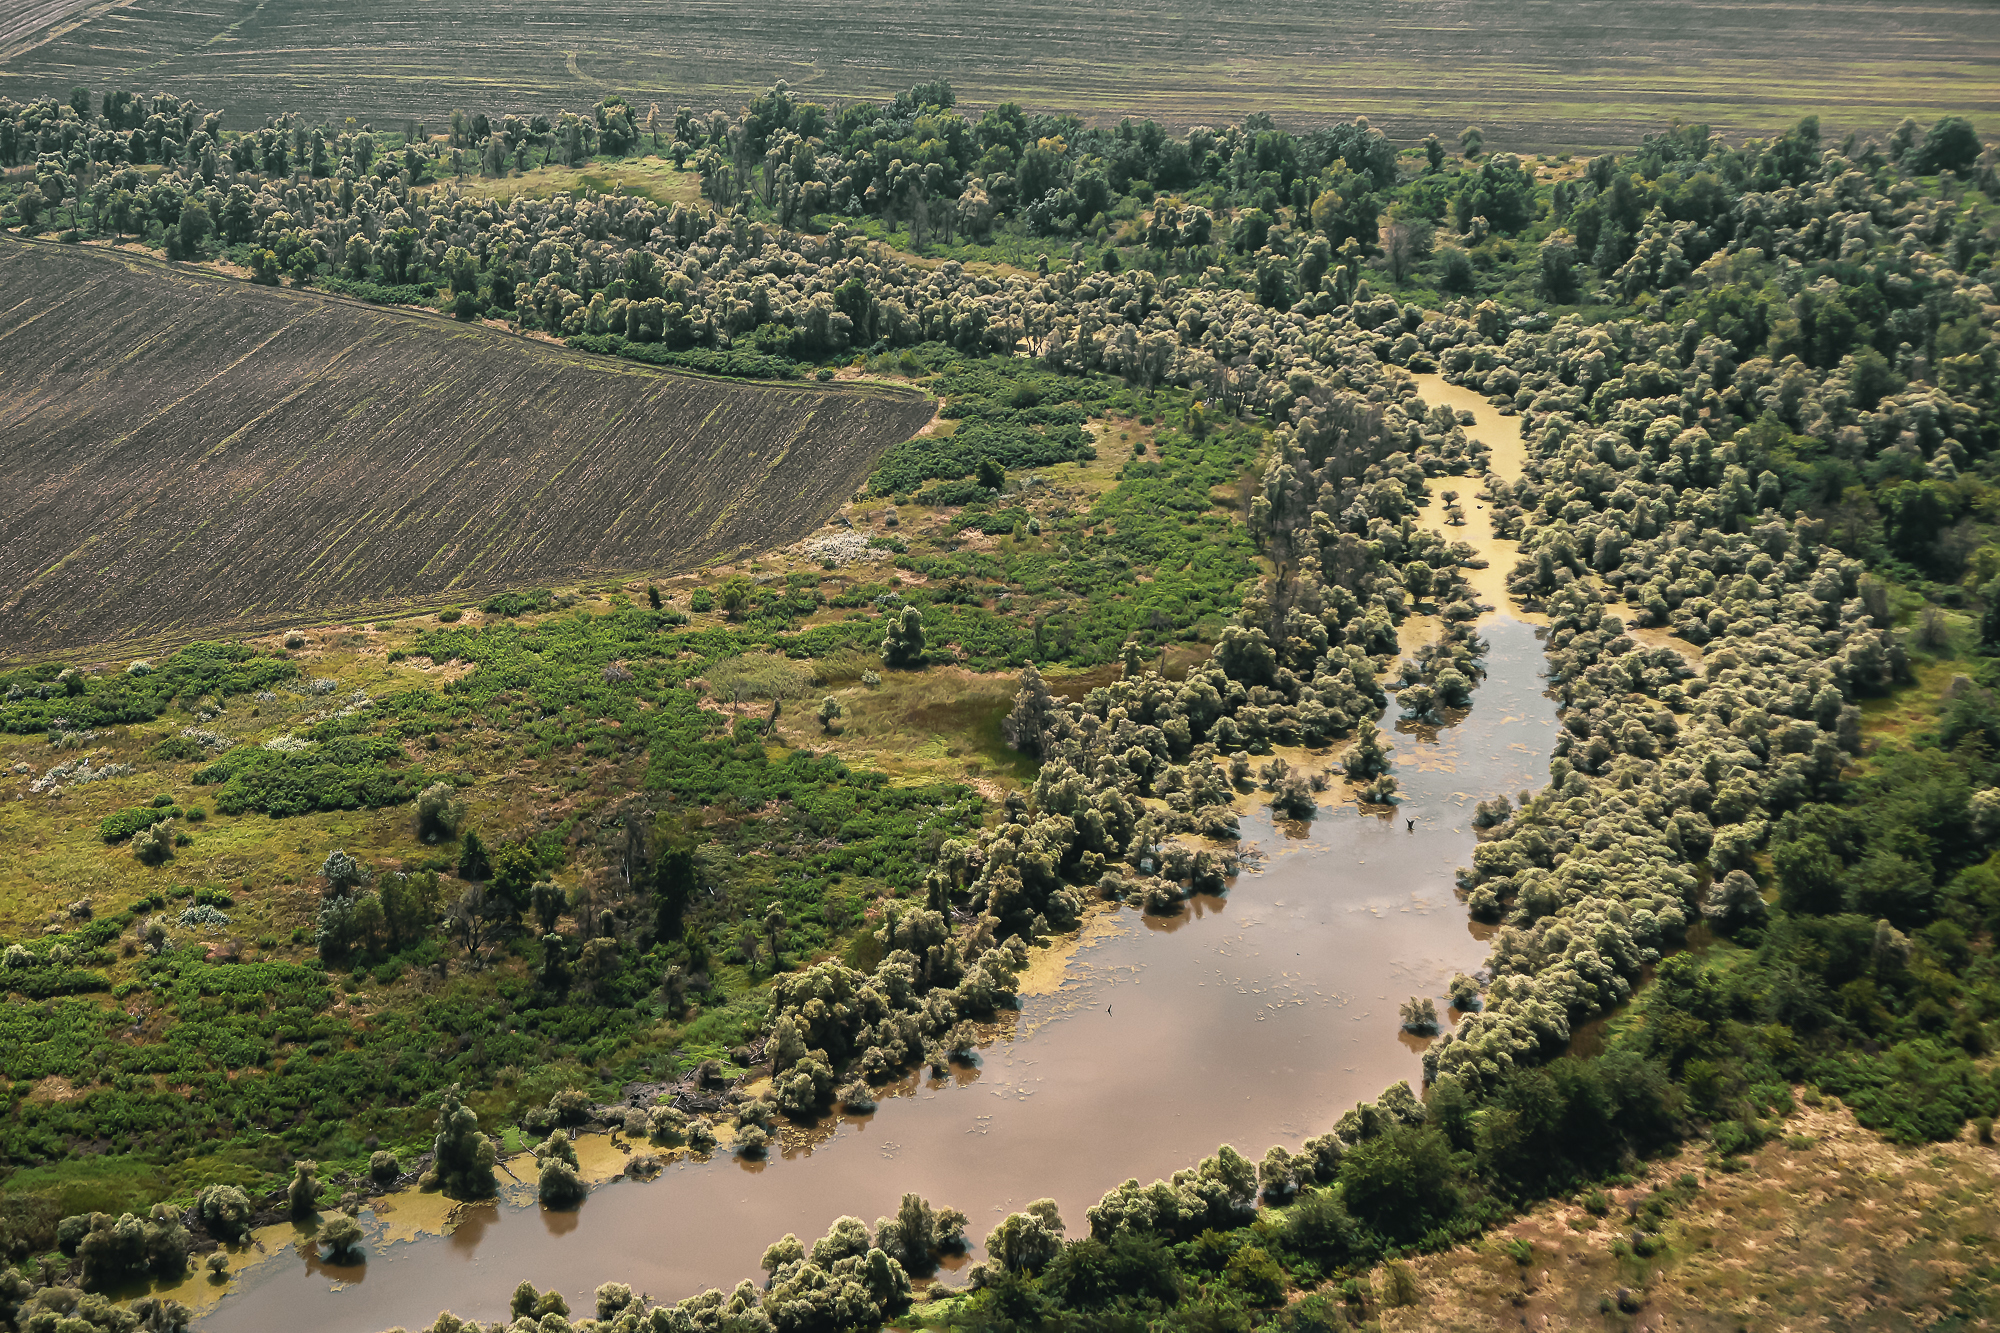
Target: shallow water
column 1256, row 1018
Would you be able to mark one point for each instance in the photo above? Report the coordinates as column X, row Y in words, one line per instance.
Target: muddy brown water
column 1254, row 1018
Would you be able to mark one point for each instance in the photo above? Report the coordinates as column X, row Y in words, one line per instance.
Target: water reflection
column 316, row 1266
column 1254, row 1018
column 473, row 1224
column 561, row 1221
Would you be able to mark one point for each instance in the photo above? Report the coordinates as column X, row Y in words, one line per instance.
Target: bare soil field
column 1579, row 74
column 182, row 454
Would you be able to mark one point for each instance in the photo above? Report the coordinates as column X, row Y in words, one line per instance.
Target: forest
column 1759, row 395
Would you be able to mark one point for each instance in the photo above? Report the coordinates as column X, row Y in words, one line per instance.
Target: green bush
column 706, row 360
column 519, row 603
column 122, row 825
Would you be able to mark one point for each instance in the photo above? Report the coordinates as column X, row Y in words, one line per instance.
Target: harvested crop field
column 1582, row 74
column 182, row 453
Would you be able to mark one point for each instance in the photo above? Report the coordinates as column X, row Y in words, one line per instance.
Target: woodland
column 1759, row 393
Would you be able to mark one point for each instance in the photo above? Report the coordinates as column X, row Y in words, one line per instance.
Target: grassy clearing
column 650, row 177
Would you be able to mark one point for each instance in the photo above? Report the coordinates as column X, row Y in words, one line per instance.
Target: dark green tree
column 673, row 887
column 474, row 864
column 1401, row 1182
column 903, row 645
column 462, row 1165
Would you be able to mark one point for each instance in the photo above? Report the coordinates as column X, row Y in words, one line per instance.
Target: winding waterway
column 1254, row 1019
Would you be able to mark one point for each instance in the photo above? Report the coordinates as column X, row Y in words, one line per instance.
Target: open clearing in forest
column 1583, row 74
column 183, row 454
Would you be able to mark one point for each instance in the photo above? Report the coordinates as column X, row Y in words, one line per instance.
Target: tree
column 461, row 270
column 471, row 921
column 735, row 596
column 1035, row 713
column 1557, row 279
column 1951, row 145
column 673, row 886
column 439, row 812
column 1471, row 142
column 55, row 187
column 1026, row 1242
column 1406, row 242
column 302, row 1195
column 918, row 1233
column 343, row 1240
column 152, row 846
column 1367, row 757
column 114, row 1253
column 903, row 645
column 554, row 976
column 830, row 712
column 462, row 1157
column 991, row 475
column 559, row 1185
column 1401, row 1182
column 194, row 228
column 473, row 863
column 224, row 1212
column 774, row 925
column 514, row 872
column 342, row 873
column 548, row 902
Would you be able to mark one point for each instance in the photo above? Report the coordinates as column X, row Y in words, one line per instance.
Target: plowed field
column 1574, row 74
column 181, row 453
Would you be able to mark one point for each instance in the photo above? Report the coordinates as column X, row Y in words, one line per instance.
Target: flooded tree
column 1027, row 1241
column 918, row 1234
column 342, row 1238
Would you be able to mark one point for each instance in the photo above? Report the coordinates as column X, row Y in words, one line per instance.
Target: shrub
column 342, row 1237
column 224, row 1211
column 302, row 1195
column 559, row 1186
column 439, row 812
column 155, row 843
column 125, row 823
column 511, row 604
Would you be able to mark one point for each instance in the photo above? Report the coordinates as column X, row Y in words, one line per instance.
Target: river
column 1254, row 1018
